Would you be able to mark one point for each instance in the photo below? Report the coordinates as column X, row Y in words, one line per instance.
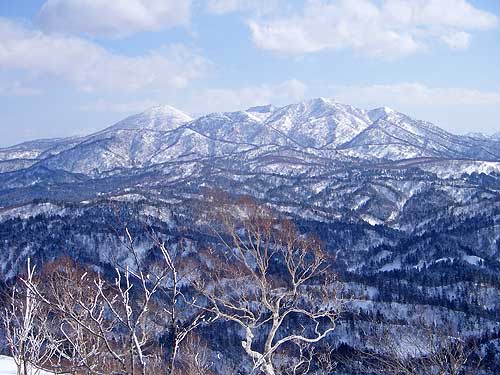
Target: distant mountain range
column 319, row 128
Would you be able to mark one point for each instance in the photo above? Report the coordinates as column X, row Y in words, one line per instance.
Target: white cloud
column 414, row 94
column 437, row 13
column 257, row 6
column 387, row 29
column 210, row 100
column 457, row 40
column 90, row 67
column 17, row 88
column 115, row 18
column 457, row 109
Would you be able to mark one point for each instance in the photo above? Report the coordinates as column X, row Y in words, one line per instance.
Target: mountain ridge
column 320, row 126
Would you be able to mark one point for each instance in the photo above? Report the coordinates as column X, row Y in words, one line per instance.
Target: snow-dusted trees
column 27, row 327
column 110, row 325
column 418, row 349
column 77, row 297
column 183, row 316
column 101, row 327
column 196, row 358
column 273, row 281
column 137, row 318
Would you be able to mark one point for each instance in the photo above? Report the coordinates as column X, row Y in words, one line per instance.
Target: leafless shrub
column 26, row 322
column 418, row 349
column 102, row 326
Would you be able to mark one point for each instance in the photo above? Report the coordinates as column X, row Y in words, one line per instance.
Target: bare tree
column 113, row 326
column 296, row 361
column 82, row 319
column 418, row 349
column 183, row 314
column 196, row 358
column 268, row 275
column 27, row 327
column 305, row 359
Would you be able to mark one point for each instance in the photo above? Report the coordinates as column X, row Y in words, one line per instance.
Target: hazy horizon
column 197, row 115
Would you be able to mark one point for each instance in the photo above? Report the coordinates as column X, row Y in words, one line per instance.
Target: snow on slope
column 319, row 122
column 8, row 367
column 37, row 149
column 456, row 168
column 160, row 118
column 30, row 210
column 132, row 142
column 396, row 136
column 321, row 127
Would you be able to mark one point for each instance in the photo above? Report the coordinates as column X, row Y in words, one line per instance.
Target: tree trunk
column 268, row 368
column 173, row 353
column 132, row 359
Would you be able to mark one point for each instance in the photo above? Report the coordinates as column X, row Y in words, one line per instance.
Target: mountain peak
column 477, row 135
column 326, row 105
column 262, row 112
column 321, row 101
column 159, row 118
column 378, row 113
column 166, row 111
column 262, row 109
column 319, row 126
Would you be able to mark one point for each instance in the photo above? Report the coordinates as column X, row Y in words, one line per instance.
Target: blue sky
column 75, row 66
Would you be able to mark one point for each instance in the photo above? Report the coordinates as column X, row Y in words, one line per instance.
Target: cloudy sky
column 75, row 66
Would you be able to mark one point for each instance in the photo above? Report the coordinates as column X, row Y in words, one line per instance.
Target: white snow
column 31, row 210
column 395, row 265
column 371, row 220
column 8, row 367
column 128, row 198
column 321, row 127
column 378, row 113
column 454, row 169
column 472, row 259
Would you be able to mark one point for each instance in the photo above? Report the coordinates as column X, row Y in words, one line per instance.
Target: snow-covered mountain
column 320, row 127
column 396, row 136
column 410, row 212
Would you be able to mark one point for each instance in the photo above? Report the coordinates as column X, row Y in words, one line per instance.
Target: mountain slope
column 319, row 123
column 396, row 136
column 131, row 142
column 320, row 127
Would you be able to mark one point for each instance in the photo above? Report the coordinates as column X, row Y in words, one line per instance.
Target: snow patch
column 8, row 367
